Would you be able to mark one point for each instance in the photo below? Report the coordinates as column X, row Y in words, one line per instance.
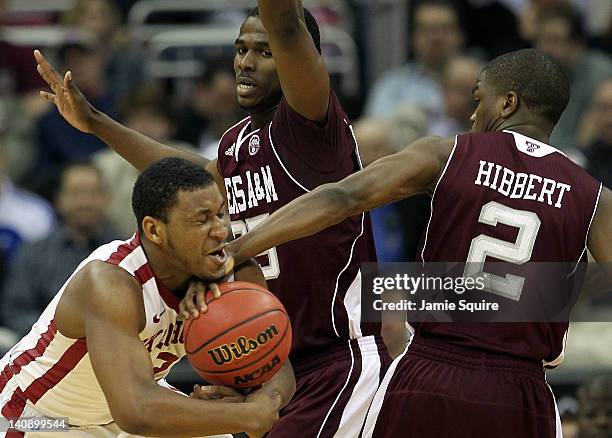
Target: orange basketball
column 242, row 340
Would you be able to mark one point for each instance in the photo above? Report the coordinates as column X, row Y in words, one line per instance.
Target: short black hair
column 572, row 16
column 156, row 189
column 540, row 82
column 311, row 25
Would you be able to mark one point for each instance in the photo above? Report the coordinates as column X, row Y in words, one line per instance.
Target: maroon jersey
column 317, row 278
column 504, row 197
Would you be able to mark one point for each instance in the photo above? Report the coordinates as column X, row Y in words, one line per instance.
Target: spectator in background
column 460, row 75
column 58, row 142
column 595, row 408
column 42, row 267
column 397, row 227
column 24, row 216
column 144, row 110
column 124, row 64
column 18, row 76
column 436, row 37
column 598, row 124
column 211, row 109
column 562, row 34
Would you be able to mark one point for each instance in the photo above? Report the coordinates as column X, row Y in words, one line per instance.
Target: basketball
column 242, row 340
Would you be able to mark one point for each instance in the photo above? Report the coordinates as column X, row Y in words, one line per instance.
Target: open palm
column 69, row 100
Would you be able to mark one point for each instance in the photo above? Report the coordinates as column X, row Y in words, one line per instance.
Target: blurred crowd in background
column 165, row 70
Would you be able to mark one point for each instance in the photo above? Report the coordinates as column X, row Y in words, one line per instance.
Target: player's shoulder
column 99, row 274
column 233, row 131
column 100, row 284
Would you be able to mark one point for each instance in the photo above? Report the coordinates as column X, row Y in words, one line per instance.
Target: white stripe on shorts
column 356, row 409
column 375, row 407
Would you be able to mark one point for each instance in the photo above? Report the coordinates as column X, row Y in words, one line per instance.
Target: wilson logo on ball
column 250, row 377
column 243, row 346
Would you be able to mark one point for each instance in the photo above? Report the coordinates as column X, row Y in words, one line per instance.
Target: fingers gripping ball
column 242, row 340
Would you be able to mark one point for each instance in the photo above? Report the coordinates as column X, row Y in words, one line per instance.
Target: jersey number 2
column 271, row 270
column 517, row 252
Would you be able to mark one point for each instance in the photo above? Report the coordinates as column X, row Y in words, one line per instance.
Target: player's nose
column 219, row 231
column 247, row 62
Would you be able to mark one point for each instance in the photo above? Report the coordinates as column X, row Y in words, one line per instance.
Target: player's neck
column 261, row 119
column 164, row 272
column 528, row 130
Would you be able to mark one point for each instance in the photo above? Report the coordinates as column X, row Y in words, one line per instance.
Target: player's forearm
column 163, row 413
column 139, row 150
column 325, row 206
column 282, row 383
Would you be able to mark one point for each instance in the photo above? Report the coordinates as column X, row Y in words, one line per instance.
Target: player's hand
column 222, row 394
column 194, row 302
column 66, row 96
column 266, row 409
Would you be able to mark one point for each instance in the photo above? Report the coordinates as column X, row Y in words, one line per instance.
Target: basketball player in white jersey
column 101, row 349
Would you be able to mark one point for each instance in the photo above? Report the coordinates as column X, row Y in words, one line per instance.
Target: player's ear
column 153, row 229
column 510, row 104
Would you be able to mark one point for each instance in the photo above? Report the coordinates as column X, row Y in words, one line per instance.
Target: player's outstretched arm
column 113, row 315
column 140, row 150
column 301, row 70
column 600, row 234
column 413, row 170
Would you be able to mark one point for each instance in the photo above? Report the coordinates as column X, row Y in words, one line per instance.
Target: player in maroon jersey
column 500, row 193
column 296, row 137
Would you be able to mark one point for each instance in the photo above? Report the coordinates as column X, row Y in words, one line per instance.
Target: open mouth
column 219, row 256
column 245, row 89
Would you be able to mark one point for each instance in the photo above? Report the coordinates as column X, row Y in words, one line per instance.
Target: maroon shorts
column 334, row 392
column 437, row 390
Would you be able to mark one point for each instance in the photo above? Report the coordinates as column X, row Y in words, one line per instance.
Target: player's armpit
column 124, row 369
column 413, row 170
column 601, row 230
column 297, row 60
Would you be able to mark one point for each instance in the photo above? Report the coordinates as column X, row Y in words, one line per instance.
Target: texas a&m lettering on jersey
column 249, row 190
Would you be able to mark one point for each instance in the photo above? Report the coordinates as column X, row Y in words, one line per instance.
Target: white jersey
column 48, row 374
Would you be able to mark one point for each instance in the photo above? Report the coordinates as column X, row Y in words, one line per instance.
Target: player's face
column 257, row 83
column 197, row 223
column 489, row 102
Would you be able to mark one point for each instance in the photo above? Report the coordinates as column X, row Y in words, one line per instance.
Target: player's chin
column 213, row 270
column 248, row 103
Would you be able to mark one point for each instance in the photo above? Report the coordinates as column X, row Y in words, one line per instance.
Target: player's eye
column 266, row 53
column 241, row 51
column 221, row 215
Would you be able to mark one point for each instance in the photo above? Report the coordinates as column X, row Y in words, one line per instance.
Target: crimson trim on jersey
column 13, row 409
column 124, row 250
column 71, row 357
column 14, row 367
column 145, row 273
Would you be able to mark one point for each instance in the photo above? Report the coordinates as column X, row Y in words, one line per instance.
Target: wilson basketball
column 242, row 340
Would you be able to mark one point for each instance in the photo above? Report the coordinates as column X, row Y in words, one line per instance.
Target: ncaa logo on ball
column 250, row 377
column 241, row 347
column 254, row 144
